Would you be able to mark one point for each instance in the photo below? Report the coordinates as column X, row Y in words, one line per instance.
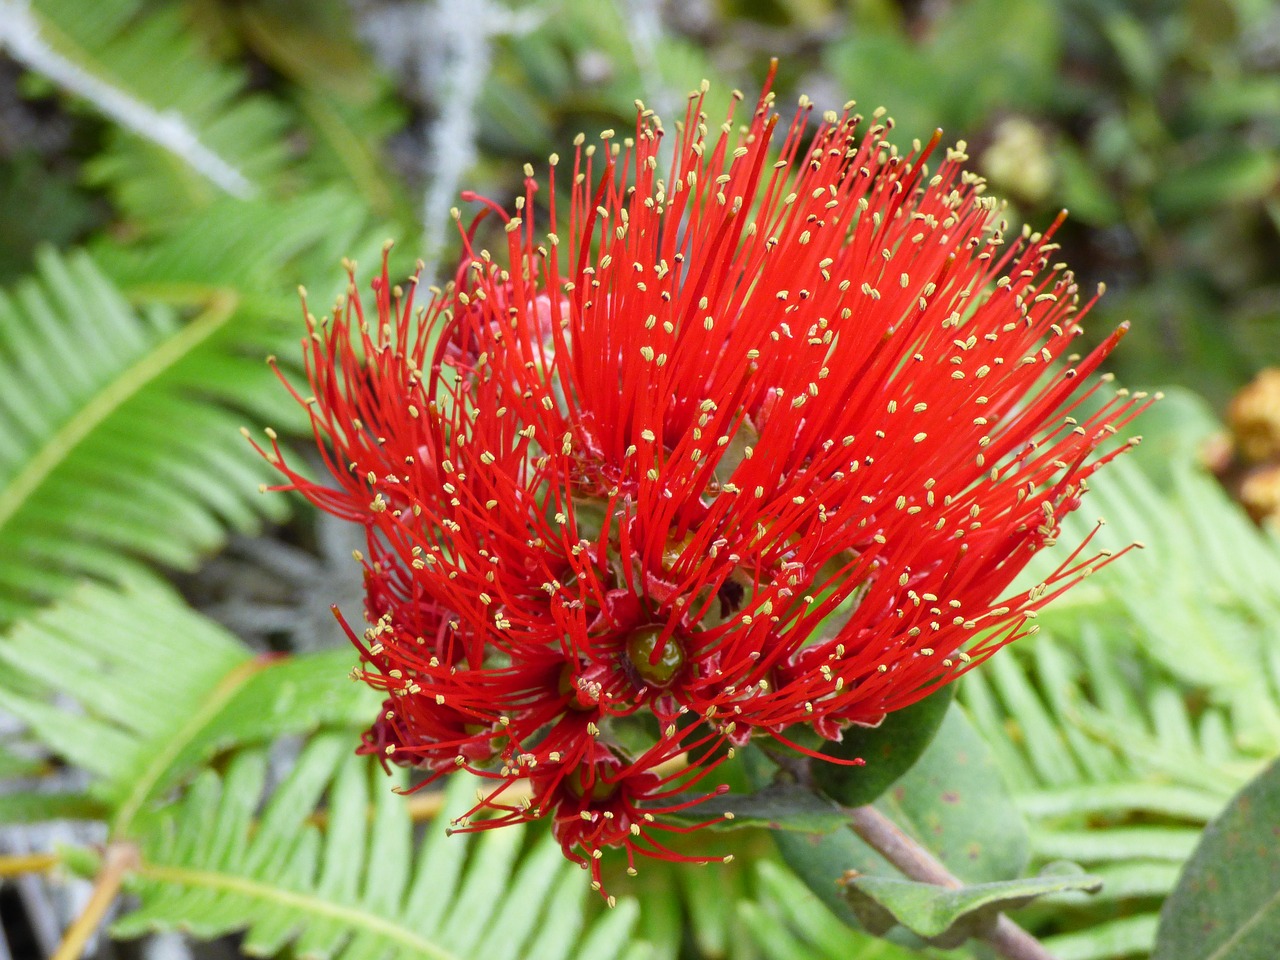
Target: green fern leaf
column 39, row 806
column 154, row 56
column 149, row 56
column 119, row 424
column 1150, row 694
column 355, row 888
column 1126, row 937
column 117, row 437
column 260, row 249
column 157, row 690
column 789, row 922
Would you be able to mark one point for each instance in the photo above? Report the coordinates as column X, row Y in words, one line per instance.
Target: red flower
column 753, row 444
column 610, row 801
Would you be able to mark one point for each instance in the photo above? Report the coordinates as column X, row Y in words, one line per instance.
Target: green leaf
column 17, row 765
column 1237, row 175
column 661, row 915
column 354, row 884
column 116, row 438
column 889, row 751
column 1132, row 879
column 259, row 250
column 778, row 806
column 152, row 58
column 822, row 860
column 38, row 206
column 711, row 907
column 1163, row 799
column 1135, row 48
column 1082, row 186
column 952, row 801
column 1150, row 694
column 322, row 52
column 140, row 690
column 1126, row 937
column 948, row 916
column 126, row 377
column 957, row 72
column 1119, row 843
column 1227, row 903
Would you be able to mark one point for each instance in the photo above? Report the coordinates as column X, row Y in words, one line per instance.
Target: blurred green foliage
column 1156, row 122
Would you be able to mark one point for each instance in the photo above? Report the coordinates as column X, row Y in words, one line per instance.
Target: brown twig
column 120, row 858
column 916, row 863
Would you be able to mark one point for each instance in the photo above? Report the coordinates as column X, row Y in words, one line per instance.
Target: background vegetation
column 170, row 171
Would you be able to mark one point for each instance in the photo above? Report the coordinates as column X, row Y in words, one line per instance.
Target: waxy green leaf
column 1226, row 906
column 948, row 916
column 779, row 806
column 889, row 750
column 952, row 801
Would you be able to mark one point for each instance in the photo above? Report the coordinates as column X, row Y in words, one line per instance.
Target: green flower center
column 655, row 667
column 600, row 790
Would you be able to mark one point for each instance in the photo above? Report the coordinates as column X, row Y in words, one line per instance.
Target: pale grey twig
column 645, row 34
column 20, row 36
column 167, row 945
column 460, row 33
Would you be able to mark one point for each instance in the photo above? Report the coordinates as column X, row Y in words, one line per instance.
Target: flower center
column 656, row 667
column 600, row 790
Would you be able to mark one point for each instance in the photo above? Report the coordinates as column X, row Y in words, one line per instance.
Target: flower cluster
column 734, row 442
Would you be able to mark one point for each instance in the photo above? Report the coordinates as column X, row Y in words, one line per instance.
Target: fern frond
column 119, row 424
column 262, row 250
column 346, row 146
column 358, row 887
column 150, row 58
column 679, row 905
column 1151, row 693
column 117, row 435
column 139, row 690
column 41, row 806
column 16, row 765
column 789, row 922
column 197, row 132
column 22, row 33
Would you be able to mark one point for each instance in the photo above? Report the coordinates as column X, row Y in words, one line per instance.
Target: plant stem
column 915, row 862
column 119, row 860
column 28, row 863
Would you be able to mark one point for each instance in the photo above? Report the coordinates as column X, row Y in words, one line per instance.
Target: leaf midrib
column 1255, row 918
column 162, row 758
column 108, row 400
column 316, row 906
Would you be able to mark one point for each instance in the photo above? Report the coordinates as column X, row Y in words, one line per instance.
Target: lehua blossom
column 721, row 445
